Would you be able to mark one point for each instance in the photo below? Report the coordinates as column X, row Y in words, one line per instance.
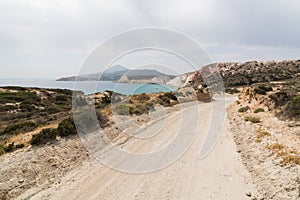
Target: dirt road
column 220, row 175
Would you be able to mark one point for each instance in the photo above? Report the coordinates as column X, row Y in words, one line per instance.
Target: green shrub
column 122, row 109
column 20, row 146
column 171, row 96
column 243, row 109
column 293, row 107
column 26, row 107
column 259, row 91
column 62, row 91
column 165, row 99
column 61, row 98
column 10, row 148
column 52, row 110
column 46, row 135
column 14, row 97
column 5, row 108
column 66, row 127
column 20, row 127
column 281, row 98
column 265, row 88
column 252, row 119
column 259, row 110
column 18, row 88
column 106, row 99
column 232, row 90
column 140, row 109
column 2, row 151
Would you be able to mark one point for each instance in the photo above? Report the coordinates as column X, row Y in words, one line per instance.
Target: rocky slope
column 241, row 73
column 267, row 134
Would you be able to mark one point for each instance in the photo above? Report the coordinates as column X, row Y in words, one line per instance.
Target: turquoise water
column 90, row 87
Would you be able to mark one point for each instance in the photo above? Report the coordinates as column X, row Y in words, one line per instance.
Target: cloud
column 50, row 38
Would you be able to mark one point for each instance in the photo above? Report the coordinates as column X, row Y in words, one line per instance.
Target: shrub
column 66, row 127
column 106, row 99
column 46, row 135
column 259, row 91
column 280, row 98
column 290, row 159
column 20, row 146
column 232, row 90
column 52, row 110
column 122, row 109
column 259, row 110
column 165, row 99
column 61, row 98
column 261, row 134
column 18, row 88
column 26, row 107
column 2, row 151
column 293, row 107
column 14, row 97
column 243, row 109
column 20, row 127
column 62, row 91
column 103, row 120
column 141, row 97
column 265, row 88
column 171, row 96
column 10, row 148
column 252, row 119
column 275, row 147
column 140, row 109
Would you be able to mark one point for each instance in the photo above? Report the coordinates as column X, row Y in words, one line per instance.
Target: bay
column 89, row 87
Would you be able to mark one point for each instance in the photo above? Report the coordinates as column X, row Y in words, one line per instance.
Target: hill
column 120, row 74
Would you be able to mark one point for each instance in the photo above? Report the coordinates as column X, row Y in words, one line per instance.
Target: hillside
column 243, row 73
column 121, row 74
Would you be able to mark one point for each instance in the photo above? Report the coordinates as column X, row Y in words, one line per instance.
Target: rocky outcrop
column 241, row 73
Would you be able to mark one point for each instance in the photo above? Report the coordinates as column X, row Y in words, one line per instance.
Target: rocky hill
column 242, row 73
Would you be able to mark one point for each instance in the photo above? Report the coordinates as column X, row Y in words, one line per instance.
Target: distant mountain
column 121, row 74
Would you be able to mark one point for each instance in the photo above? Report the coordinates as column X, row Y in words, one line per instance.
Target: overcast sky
column 50, row 39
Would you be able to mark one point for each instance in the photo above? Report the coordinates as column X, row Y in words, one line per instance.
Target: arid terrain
column 256, row 157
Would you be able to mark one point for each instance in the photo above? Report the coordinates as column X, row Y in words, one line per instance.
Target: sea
column 90, row 87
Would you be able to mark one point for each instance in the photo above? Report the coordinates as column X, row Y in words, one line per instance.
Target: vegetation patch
column 288, row 157
column 293, row 107
column 260, row 134
column 165, row 98
column 281, row 98
column 122, row 109
column 232, row 90
column 43, row 137
column 258, row 110
column 19, row 128
column 66, row 127
column 252, row 119
column 243, row 109
column 15, row 97
column 140, row 109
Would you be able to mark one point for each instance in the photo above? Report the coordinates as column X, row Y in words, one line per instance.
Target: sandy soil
column 273, row 178
column 221, row 175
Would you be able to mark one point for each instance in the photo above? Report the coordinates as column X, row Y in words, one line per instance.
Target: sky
column 53, row 38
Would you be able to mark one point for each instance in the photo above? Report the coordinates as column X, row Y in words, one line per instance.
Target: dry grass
column 26, row 137
column 260, row 134
column 287, row 156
